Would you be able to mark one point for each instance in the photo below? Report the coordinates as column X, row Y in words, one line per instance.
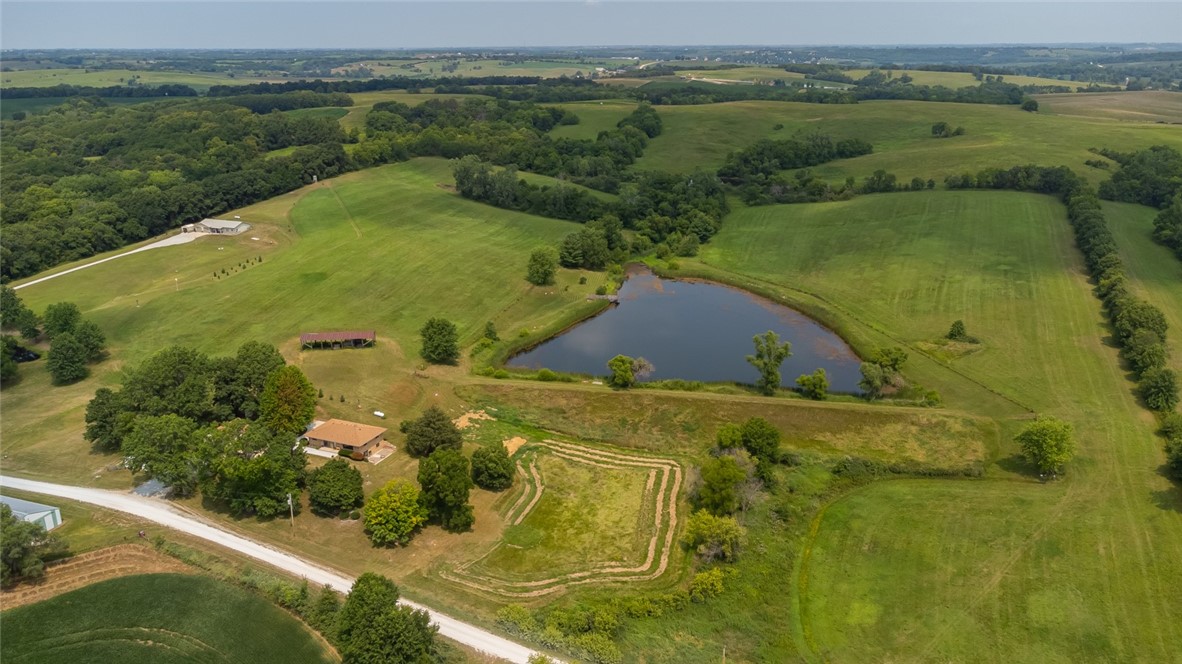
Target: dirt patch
column 470, row 418
column 91, row 567
column 513, row 444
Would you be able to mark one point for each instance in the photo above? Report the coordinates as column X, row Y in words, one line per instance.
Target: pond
column 694, row 330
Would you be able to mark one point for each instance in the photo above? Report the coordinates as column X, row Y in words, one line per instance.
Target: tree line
column 108, row 92
column 1151, row 177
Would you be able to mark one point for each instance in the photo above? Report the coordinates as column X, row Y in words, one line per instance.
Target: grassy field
column 742, row 74
column 43, row 78
column 947, row 570
column 996, row 136
column 482, row 67
column 956, row 79
column 1145, row 106
column 143, row 619
column 1154, row 272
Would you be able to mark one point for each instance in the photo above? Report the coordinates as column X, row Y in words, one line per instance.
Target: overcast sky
column 394, row 24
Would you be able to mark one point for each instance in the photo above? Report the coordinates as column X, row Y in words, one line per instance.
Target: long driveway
column 171, row 240
column 162, row 512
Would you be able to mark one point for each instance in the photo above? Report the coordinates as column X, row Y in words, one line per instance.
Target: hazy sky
column 393, row 24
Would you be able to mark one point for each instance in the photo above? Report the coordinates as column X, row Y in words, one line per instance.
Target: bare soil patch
column 84, row 569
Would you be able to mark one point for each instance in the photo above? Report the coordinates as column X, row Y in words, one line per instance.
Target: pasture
column 100, row 78
column 1144, row 106
column 929, row 568
column 158, row 619
column 959, row 79
column 996, row 136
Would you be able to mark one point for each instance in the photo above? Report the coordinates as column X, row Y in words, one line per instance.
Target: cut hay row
column 656, row 561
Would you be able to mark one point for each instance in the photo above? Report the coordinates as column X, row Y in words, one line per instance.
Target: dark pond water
column 695, row 331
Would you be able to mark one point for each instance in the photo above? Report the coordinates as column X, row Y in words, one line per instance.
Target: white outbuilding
column 26, row 510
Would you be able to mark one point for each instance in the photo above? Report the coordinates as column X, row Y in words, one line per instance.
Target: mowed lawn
column 1005, row 569
column 383, row 249
column 996, row 136
column 158, row 619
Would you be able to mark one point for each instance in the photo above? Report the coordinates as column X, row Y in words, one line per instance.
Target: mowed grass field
column 996, row 136
column 958, row 79
column 1005, row 569
column 749, row 74
column 158, row 619
column 382, row 249
column 1143, row 106
column 43, row 78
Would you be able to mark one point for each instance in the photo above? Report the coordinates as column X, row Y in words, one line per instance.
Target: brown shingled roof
column 347, row 433
column 336, row 336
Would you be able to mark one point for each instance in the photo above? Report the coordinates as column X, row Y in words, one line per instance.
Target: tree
column 163, row 446
column 15, row 315
column 890, row 359
column 106, row 420
column 762, row 442
column 621, row 372
column 445, row 480
column 288, row 401
column 323, row 612
column 175, row 380
column 393, row 513
column 249, row 468
column 66, row 360
column 713, row 537
column 1159, row 389
column 440, row 341
column 1030, row 105
column 334, row 487
column 240, row 380
column 1145, row 351
column 60, row 318
column 400, row 635
column 957, row 332
column 492, row 469
column 940, row 129
column 24, row 547
column 721, row 478
column 543, row 265
column 729, row 436
column 769, row 355
column 1047, row 443
column 814, row 386
column 8, row 367
column 490, row 331
column 433, row 430
column 94, row 343
column 370, row 596
column 874, row 378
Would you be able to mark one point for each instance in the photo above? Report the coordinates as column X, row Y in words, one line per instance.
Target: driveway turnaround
column 163, row 513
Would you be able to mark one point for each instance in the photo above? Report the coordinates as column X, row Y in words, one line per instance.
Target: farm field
column 43, row 78
column 431, row 68
column 956, row 79
column 1143, row 106
column 1019, row 286
column 996, row 136
column 749, row 74
column 126, row 620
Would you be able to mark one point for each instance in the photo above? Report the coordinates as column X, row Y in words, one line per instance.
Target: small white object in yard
column 597, row 382
column 380, row 414
column 255, row 239
column 237, row 217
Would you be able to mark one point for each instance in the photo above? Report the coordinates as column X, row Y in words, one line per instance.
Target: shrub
column 547, row 375
column 500, row 374
column 1047, row 443
column 706, row 585
column 713, row 537
column 1159, row 389
column 815, row 386
column 394, row 513
column 492, row 469
column 334, row 487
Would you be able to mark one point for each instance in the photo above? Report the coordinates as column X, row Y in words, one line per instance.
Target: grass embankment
column 1004, row 570
column 158, row 618
column 996, row 136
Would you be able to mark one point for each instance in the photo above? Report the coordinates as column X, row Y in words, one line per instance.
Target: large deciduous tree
column 445, row 480
column 240, row 380
column 719, row 493
column 769, row 355
column 164, row 446
column 67, row 360
column 393, row 513
column 334, row 487
column 176, row 380
column 288, row 401
column 249, row 468
column 713, row 537
column 440, row 341
column 543, row 265
column 1047, row 443
column 815, row 385
column 1159, row 389
column 432, row 430
column 92, row 339
column 60, row 318
column 374, row 629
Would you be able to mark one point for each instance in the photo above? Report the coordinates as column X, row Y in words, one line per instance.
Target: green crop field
column 158, row 618
column 957, row 79
column 996, row 136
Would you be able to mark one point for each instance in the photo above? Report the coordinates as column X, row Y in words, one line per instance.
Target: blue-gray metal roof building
column 26, row 510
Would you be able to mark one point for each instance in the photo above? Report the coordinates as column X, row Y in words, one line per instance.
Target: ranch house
column 218, row 226
column 345, row 435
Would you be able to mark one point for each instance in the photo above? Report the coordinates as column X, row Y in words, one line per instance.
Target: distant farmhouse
column 219, row 226
column 26, row 510
column 347, row 436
